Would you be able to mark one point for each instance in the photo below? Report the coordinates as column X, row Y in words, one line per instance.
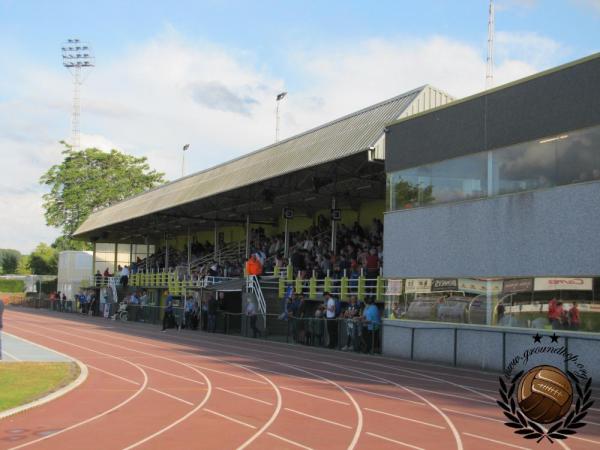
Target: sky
column 206, row 73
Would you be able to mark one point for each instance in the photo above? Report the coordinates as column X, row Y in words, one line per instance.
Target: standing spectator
column 98, row 278
column 1, row 314
column 251, row 313
column 554, row 314
column 371, row 326
column 500, row 311
column 134, row 304
column 332, row 325
column 124, row 276
column 168, row 317
column 351, row 314
column 106, row 274
column 63, row 302
column 212, row 313
column 574, row 321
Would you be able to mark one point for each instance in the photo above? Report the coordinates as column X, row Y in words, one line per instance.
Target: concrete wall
column 539, row 233
column 483, row 348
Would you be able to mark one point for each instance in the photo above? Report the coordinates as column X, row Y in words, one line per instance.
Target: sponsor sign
column 476, row 286
column 444, row 284
column 517, row 285
column 394, row 287
column 417, row 285
column 565, row 284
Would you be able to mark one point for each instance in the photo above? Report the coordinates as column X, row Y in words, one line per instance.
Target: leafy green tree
column 23, row 267
column 9, row 263
column 409, row 194
column 89, row 179
column 44, row 260
column 9, row 259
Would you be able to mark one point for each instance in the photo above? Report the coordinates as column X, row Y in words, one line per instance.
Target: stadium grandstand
column 309, row 207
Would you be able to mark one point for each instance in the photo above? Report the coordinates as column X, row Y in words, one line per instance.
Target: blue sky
column 206, row 72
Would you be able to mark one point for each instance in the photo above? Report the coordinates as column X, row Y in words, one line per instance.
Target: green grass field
column 24, row 382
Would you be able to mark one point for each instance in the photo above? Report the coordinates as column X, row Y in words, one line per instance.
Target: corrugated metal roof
column 334, row 140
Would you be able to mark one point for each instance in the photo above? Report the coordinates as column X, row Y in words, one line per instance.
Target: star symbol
column 537, row 338
column 554, row 338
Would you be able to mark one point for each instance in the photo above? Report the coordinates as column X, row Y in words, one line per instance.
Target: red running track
column 193, row 390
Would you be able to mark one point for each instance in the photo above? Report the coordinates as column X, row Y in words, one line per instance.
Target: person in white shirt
column 125, row 276
column 251, row 313
column 332, row 323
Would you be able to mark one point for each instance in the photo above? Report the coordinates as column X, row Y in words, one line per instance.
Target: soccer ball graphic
column 545, row 394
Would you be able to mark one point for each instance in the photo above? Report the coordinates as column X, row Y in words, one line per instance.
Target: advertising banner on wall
column 517, row 285
column 476, row 286
column 417, row 285
column 444, row 284
column 565, row 284
column 394, row 287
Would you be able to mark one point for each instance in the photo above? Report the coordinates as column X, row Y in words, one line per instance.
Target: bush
column 12, row 286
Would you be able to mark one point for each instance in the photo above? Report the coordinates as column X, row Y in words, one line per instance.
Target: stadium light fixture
column 278, row 99
column 185, row 147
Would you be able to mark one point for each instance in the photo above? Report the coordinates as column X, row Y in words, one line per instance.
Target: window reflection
column 568, row 158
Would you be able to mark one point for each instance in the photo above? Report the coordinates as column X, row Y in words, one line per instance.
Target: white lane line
column 171, row 396
column 97, row 416
column 318, row 418
column 385, row 396
column 114, row 374
column 584, row 439
column 245, row 396
column 393, row 440
column 405, row 418
column 495, row 441
column 10, row 355
column 171, row 374
column 282, row 373
column 454, row 411
column 446, row 394
column 276, row 412
column 230, row 418
column 229, row 374
column 314, row 395
column 289, row 441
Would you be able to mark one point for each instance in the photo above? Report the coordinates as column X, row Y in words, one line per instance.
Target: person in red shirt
column 554, row 314
column 574, row 320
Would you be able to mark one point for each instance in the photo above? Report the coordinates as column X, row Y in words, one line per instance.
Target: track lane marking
column 393, row 440
column 405, row 418
column 296, row 391
column 229, row 418
column 297, row 444
column 166, row 394
column 113, row 374
column 229, row 374
column 97, row 416
column 284, row 374
column 483, row 438
column 172, row 374
column 10, row 355
column 321, row 419
column 244, row 396
column 352, row 388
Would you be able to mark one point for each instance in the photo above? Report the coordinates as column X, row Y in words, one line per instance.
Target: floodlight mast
column 77, row 56
column 279, row 97
column 489, row 73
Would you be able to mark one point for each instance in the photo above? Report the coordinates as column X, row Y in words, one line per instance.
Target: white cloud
column 167, row 92
column 594, row 5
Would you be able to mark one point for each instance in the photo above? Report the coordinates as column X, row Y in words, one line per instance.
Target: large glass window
column 568, row 158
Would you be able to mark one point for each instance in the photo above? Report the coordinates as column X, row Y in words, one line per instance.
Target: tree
column 23, row 267
column 9, row 263
column 90, row 179
column 43, row 260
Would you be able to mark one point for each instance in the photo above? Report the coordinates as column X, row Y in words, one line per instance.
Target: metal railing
column 253, row 285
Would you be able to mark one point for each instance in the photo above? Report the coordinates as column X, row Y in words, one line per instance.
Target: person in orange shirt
column 574, row 320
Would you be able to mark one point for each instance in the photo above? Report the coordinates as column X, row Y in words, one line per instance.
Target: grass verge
column 24, row 382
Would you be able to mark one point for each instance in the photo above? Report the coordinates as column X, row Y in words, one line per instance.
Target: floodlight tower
column 489, row 72
column 279, row 97
column 77, row 56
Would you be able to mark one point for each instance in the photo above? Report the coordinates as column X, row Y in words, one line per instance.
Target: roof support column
column 189, row 252
column 147, row 252
column 166, row 252
column 286, row 240
column 216, row 243
column 247, row 236
column 115, row 258
column 94, row 258
column 333, row 226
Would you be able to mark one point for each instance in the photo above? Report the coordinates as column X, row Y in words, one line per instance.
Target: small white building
column 73, row 268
